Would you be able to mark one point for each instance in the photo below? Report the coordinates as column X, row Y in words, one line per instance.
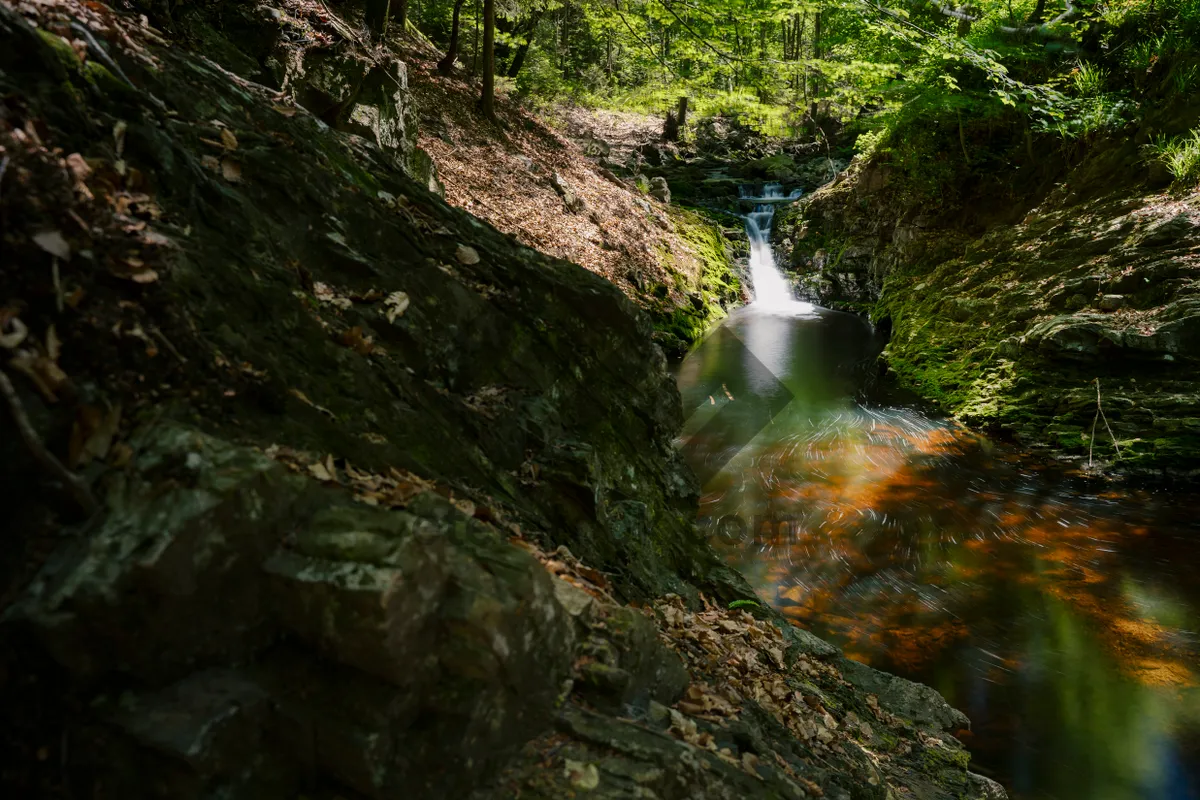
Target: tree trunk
column 376, row 17
column 528, row 31
column 446, row 65
column 487, row 103
column 681, row 114
column 816, row 83
column 475, row 43
column 400, row 14
column 1039, row 13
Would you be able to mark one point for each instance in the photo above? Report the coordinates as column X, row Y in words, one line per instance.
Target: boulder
column 659, row 190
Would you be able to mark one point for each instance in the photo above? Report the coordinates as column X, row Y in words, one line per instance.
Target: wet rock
column 1112, row 302
column 374, row 588
column 910, row 701
column 186, row 527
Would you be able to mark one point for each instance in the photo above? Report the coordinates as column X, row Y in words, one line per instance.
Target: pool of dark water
column 1061, row 614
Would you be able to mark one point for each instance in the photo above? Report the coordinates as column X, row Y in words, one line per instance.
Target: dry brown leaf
column 322, row 472
column 53, row 345
column 395, row 305
column 355, row 339
column 229, row 141
column 155, row 239
column 53, row 243
column 582, row 776
column 45, row 374
column 231, row 170
column 92, row 434
column 12, row 339
column 467, row 255
column 119, row 136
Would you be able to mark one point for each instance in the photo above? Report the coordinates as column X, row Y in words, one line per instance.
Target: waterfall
column 771, row 289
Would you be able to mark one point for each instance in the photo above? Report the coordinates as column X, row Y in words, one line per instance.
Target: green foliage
column 910, row 79
column 1089, row 80
column 1180, row 154
column 743, row 604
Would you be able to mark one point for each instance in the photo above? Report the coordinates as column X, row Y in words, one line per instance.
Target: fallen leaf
column 231, row 170
column 53, row 345
column 119, row 136
column 357, row 341
column 54, row 244
column 144, row 276
column 92, row 434
column 467, row 255
column 157, row 239
column 79, row 167
column 45, row 374
column 583, row 777
column 10, row 340
column 321, row 472
column 122, row 454
column 396, row 304
column 228, row 139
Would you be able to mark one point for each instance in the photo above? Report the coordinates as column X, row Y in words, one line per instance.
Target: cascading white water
column 771, row 290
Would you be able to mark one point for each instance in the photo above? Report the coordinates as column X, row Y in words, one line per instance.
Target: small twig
column 1100, row 408
column 162, row 337
column 58, row 292
column 75, row 485
column 3, row 169
column 100, row 53
column 1092, row 440
column 1101, row 415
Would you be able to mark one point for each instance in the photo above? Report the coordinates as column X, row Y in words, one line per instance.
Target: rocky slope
column 319, row 486
column 555, row 194
column 1007, row 311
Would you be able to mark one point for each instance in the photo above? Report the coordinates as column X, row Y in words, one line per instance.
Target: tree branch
column 75, row 485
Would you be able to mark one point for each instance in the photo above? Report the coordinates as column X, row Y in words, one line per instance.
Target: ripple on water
column 1063, row 619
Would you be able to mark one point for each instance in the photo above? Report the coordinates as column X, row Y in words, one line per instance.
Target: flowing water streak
column 771, row 289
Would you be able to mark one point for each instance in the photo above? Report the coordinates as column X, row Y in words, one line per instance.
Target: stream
column 1062, row 616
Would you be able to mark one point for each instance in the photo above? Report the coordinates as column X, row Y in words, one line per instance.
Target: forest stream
column 1063, row 618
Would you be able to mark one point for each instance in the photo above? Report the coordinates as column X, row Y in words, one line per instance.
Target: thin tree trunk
column 487, row 103
column 400, row 14
column 446, row 65
column 816, row 82
column 518, row 60
column 475, row 43
column 376, row 17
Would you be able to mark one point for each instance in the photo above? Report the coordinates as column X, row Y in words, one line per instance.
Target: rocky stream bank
column 1034, row 301
column 316, row 486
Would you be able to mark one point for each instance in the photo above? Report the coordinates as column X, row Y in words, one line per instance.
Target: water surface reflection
column 1064, row 621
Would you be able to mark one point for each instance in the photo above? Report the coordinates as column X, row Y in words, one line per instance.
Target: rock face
column 382, row 486
column 1009, row 326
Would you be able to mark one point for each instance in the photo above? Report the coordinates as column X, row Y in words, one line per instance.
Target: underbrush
column 1180, row 154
